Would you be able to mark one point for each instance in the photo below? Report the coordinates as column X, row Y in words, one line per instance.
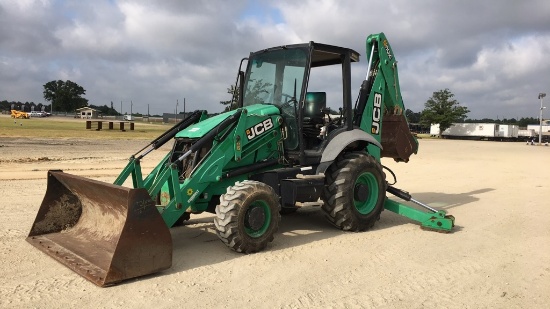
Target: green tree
column 525, row 121
column 255, row 94
column 5, row 105
column 65, row 96
column 412, row 117
column 105, row 110
column 442, row 109
column 231, row 104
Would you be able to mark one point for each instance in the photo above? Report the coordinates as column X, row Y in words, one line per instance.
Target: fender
column 340, row 142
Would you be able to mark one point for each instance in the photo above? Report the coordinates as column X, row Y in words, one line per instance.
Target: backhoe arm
column 379, row 109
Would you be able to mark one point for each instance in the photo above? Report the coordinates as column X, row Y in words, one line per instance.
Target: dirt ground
column 497, row 257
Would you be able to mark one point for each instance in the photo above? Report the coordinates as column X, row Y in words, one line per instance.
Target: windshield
column 274, row 76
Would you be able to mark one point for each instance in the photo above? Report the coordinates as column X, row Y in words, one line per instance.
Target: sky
column 493, row 55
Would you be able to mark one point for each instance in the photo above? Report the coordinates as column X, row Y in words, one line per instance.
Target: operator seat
column 314, row 118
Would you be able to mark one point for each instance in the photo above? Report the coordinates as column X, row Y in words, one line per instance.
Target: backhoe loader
column 19, row 114
column 279, row 148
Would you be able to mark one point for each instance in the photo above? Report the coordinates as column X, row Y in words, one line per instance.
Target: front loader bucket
column 105, row 233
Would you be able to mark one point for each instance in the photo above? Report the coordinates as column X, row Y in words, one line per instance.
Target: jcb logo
column 387, row 48
column 376, row 113
column 259, row 128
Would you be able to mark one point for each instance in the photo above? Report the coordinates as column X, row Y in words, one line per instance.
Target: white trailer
column 527, row 134
column 536, row 128
column 434, row 130
column 490, row 131
column 545, row 131
column 508, row 130
column 472, row 130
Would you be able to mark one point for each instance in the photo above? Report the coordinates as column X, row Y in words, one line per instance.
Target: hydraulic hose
column 208, row 137
column 170, row 133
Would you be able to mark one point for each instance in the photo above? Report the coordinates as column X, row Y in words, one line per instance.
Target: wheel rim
column 257, row 219
column 365, row 193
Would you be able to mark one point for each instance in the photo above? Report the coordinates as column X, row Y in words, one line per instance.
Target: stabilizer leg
column 435, row 220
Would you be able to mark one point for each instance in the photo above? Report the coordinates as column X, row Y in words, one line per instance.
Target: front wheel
column 247, row 216
column 355, row 192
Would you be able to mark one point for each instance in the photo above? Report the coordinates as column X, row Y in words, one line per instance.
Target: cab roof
column 322, row 54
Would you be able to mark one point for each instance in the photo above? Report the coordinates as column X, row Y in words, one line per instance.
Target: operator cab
column 280, row 76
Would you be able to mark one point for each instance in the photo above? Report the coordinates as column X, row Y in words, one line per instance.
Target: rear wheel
column 247, row 216
column 355, row 192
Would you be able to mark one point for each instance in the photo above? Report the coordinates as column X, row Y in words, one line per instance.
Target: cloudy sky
column 494, row 55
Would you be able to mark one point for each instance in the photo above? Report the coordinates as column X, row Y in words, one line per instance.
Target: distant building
column 167, row 117
column 87, row 113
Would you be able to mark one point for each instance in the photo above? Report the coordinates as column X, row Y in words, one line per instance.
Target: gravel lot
column 497, row 257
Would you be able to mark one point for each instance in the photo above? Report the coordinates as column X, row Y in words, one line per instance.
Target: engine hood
column 200, row 129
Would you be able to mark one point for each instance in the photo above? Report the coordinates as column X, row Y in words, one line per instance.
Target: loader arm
column 133, row 168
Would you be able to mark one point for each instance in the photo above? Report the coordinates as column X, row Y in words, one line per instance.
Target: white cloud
column 520, row 58
column 24, row 6
column 491, row 54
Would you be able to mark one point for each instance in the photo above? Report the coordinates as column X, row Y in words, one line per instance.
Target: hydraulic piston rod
column 407, row 197
column 436, row 220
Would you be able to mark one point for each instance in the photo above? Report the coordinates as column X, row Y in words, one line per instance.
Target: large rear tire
column 355, row 192
column 247, row 216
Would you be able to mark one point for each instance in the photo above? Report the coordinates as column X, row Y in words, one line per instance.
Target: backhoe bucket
column 105, row 233
column 397, row 141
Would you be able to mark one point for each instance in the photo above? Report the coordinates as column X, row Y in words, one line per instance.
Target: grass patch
column 60, row 127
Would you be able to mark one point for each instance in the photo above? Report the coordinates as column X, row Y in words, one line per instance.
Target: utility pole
column 147, row 109
column 177, row 103
column 541, row 96
column 120, row 108
column 131, row 105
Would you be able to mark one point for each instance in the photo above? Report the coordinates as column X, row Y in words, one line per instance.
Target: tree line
column 64, row 96
column 414, row 117
column 441, row 108
column 6, row 105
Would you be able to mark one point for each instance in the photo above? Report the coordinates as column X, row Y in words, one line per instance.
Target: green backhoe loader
column 280, row 148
